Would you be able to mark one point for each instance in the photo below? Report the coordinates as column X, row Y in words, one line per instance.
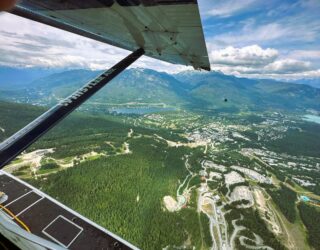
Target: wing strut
column 21, row 140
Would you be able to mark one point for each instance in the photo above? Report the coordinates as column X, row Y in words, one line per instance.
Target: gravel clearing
column 233, row 178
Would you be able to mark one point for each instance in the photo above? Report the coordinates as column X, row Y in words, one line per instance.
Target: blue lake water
column 312, row 118
column 140, row 111
column 305, row 198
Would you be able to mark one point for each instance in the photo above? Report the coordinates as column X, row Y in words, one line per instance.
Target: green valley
column 166, row 167
column 142, row 176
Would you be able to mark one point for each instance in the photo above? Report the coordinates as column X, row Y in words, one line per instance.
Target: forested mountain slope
column 201, row 90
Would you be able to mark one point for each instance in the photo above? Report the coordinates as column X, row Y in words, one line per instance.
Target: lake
column 312, row 118
column 140, row 110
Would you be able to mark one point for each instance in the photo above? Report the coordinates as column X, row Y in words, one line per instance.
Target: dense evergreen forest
column 14, row 116
column 123, row 191
column 129, row 189
column 311, row 219
column 308, row 138
column 285, row 199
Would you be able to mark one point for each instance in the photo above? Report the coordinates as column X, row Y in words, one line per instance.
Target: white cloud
column 305, row 54
column 247, row 56
column 311, row 74
column 254, row 61
column 294, row 30
column 29, row 44
column 287, row 66
column 224, row 8
column 24, row 43
column 261, row 73
column 271, row 32
column 310, row 4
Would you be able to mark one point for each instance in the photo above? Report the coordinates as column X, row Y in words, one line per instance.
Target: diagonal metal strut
column 21, row 140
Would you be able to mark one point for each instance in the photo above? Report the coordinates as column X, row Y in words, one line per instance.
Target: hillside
column 243, row 93
column 134, row 85
column 196, row 90
column 157, row 173
column 19, row 77
column 313, row 82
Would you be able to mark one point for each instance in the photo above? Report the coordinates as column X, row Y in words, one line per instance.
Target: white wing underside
column 169, row 32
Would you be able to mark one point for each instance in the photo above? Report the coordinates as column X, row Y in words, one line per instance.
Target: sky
column 250, row 38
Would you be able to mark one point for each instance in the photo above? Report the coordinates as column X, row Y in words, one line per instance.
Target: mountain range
column 189, row 89
column 313, row 82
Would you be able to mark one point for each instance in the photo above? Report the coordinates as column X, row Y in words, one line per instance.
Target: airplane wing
column 169, row 30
